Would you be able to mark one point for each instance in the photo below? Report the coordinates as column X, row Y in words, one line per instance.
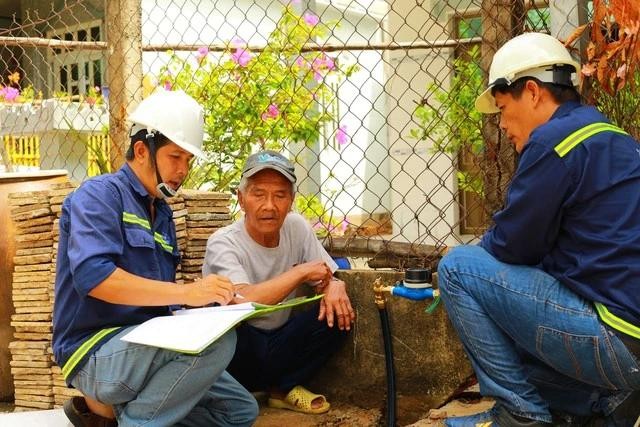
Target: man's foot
column 300, row 399
column 495, row 417
column 78, row 412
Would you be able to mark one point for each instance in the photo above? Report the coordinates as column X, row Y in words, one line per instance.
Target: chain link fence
column 372, row 99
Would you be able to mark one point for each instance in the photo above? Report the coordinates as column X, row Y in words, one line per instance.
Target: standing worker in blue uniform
column 117, row 258
column 548, row 304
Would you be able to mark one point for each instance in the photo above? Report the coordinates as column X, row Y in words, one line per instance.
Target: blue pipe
column 411, row 293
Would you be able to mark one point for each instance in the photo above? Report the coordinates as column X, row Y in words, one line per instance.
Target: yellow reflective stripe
column 134, row 219
column 82, row 351
column 165, row 245
column 615, row 322
column 570, row 142
column 487, row 424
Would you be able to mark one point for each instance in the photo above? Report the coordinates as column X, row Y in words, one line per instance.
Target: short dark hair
column 559, row 93
column 141, row 135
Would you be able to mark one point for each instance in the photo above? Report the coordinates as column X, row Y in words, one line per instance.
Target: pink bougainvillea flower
column 271, row 113
column 241, row 57
column 202, row 52
column 310, row 19
column 238, row 42
column 295, row 1
column 301, row 62
column 341, row 135
column 167, row 85
column 10, row 94
column 322, row 64
column 328, row 63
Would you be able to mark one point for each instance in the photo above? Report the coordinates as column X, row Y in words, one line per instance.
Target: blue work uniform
column 105, row 224
column 573, row 207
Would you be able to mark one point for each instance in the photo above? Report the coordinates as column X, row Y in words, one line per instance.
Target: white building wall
column 423, row 183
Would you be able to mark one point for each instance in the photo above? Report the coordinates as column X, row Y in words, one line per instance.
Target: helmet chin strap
column 164, row 190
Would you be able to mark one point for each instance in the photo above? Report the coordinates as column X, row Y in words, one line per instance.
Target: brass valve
column 379, row 292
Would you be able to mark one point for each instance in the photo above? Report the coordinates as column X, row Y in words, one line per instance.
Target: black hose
column 391, row 374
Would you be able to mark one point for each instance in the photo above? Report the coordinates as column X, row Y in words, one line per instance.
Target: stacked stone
column 57, row 194
column 30, row 363
column 30, row 355
column 39, row 383
column 206, row 213
column 180, row 218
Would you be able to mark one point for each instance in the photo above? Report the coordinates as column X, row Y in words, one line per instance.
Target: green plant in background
column 321, row 220
column 100, row 156
column 265, row 99
column 449, row 119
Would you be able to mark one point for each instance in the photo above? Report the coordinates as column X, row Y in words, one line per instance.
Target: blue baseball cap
column 269, row 160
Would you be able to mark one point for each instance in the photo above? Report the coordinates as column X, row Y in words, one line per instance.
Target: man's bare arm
column 274, row 290
column 122, row 287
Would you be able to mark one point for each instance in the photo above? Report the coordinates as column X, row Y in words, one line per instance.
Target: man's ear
column 140, row 151
column 533, row 91
column 241, row 200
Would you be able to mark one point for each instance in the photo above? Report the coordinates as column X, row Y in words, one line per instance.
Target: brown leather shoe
column 80, row 416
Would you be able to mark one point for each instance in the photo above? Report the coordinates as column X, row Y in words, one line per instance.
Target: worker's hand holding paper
column 191, row 331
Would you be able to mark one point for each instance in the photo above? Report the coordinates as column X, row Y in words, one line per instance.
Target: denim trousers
column 535, row 345
column 282, row 358
column 148, row 386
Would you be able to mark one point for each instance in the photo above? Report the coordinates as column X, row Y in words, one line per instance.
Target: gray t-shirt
column 233, row 253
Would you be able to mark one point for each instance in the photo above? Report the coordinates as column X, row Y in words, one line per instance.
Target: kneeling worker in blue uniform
column 548, row 304
column 117, row 258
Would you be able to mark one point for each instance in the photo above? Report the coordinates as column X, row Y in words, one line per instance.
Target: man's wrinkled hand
column 315, row 271
column 336, row 305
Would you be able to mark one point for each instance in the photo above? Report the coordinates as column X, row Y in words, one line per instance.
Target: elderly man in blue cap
column 268, row 254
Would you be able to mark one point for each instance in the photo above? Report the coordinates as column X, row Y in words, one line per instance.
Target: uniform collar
column 565, row 108
column 136, row 184
column 134, row 181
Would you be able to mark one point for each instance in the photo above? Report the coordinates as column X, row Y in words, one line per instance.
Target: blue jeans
column 282, row 358
column 155, row 387
column 534, row 344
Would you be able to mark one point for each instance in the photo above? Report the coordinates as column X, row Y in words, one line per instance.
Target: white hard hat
column 174, row 114
column 527, row 55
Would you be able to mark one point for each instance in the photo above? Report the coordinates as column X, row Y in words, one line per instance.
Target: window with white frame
column 75, row 71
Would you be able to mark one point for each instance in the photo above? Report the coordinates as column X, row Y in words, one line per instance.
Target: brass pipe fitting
column 378, row 293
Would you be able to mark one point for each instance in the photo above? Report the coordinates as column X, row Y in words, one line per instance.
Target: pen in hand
column 217, row 304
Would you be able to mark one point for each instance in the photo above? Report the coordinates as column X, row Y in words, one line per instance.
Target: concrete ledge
column 430, row 362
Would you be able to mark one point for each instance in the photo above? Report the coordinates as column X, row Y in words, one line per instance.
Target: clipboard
column 193, row 330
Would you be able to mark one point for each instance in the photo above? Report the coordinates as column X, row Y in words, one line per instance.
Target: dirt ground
column 410, row 411
column 410, row 414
